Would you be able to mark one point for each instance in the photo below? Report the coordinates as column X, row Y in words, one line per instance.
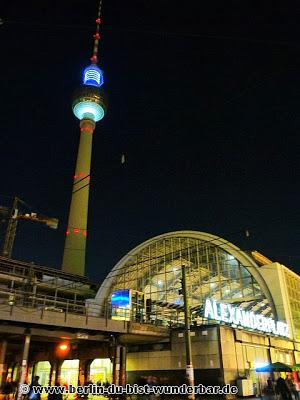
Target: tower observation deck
column 89, row 107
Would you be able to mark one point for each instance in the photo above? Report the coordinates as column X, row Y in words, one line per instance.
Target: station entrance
column 101, row 370
column 69, row 372
column 43, row 369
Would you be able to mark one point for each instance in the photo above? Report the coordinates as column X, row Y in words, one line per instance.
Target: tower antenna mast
column 94, row 57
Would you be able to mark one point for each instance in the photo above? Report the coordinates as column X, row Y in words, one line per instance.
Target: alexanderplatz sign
column 233, row 315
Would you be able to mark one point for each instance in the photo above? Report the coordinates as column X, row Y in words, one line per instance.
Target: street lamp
column 187, row 332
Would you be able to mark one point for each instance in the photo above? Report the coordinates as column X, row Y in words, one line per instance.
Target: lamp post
column 187, row 331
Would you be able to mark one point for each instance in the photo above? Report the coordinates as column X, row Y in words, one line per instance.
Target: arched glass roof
column 215, row 268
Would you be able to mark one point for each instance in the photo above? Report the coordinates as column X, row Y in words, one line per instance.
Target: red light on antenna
column 68, row 232
column 97, row 36
column 94, row 59
column 98, row 21
column 76, row 230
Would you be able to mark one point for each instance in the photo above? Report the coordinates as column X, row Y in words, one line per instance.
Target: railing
column 29, row 285
column 158, row 317
column 46, row 303
column 22, row 298
column 23, row 269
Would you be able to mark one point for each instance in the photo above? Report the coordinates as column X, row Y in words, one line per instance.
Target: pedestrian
column 152, row 381
column 33, row 395
column 65, row 395
column 163, row 382
column 282, row 389
column 14, row 385
column 270, row 387
column 55, row 395
column 292, row 387
column 7, row 389
column 270, row 384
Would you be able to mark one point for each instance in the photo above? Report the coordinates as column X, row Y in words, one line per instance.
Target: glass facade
column 154, row 270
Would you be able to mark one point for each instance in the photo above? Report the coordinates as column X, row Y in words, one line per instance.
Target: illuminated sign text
column 234, row 315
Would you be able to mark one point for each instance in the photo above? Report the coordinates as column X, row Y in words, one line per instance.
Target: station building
column 245, row 309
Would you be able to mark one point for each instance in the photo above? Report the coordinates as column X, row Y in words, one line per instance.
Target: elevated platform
column 35, row 297
column 46, row 322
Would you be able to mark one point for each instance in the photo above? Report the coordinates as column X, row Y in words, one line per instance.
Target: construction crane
column 13, row 215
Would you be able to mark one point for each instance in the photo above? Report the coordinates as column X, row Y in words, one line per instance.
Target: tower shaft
column 75, row 243
column 89, row 106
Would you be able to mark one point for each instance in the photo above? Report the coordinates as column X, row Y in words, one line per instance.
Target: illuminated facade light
column 93, row 76
column 88, row 110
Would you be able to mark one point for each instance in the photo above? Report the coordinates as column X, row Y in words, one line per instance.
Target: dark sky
column 203, row 101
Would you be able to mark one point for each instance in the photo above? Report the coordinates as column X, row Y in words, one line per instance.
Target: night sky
column 203, row 101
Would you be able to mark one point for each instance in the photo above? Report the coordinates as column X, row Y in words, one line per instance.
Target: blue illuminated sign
column 93, row 76
column 121, row 298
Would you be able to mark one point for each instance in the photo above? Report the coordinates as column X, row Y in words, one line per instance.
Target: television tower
column 89, row 107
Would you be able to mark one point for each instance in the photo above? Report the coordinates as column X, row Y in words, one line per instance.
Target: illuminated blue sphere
column 89, row 103
column 93, row 76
